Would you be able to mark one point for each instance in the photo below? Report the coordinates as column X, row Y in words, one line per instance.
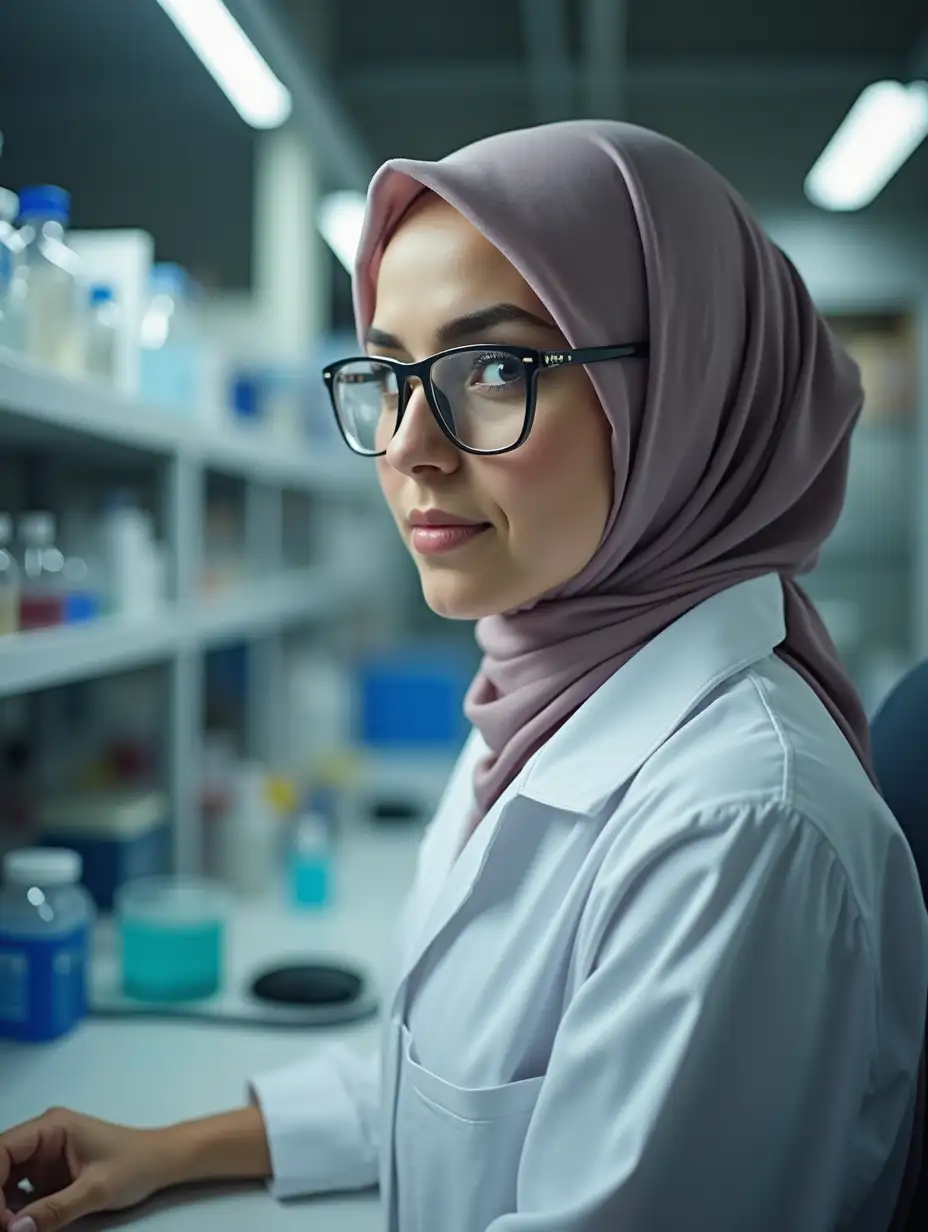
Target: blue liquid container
column 172, row 934
column 46, row 918
column 311, row 862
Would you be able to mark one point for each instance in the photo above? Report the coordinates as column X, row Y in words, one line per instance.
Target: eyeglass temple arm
column 590, row 355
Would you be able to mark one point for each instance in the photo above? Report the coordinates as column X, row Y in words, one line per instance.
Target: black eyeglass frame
column 534, row 362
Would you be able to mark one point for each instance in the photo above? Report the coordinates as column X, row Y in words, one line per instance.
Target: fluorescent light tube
column 886, row 124
column 232, row 60
column 340, row 219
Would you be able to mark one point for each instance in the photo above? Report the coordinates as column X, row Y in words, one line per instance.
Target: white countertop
column 151, row 1072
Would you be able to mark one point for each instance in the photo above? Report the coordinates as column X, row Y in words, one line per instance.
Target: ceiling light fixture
column 340, row 219
column 884, row 127
column 232, row 60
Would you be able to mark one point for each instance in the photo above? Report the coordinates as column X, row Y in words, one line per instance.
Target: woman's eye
column 498, row 370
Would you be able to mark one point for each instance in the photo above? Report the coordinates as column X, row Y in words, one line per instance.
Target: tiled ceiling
column 106, row 95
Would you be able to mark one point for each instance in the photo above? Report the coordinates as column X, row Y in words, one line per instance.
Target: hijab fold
column 730, row 445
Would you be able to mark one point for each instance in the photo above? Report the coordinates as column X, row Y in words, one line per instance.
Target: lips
column 434, row 540
column 441, row 518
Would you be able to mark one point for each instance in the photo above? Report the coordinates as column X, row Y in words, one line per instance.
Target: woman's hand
column 76, row 1166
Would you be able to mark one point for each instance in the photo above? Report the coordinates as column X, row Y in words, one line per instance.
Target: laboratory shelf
column 284, row 464
column 49, row 657
column 266, row 604
column 40, row 409
column 52, row 419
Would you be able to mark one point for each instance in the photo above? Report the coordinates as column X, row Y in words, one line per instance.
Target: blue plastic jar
column 46, row 918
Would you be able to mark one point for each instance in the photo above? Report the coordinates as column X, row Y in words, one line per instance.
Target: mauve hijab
column 729, row 446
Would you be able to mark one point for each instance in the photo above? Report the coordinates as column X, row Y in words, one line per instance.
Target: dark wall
column 105, row 98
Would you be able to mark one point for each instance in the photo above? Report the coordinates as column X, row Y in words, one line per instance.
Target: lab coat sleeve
column 712, row 1062
column 322, row 1120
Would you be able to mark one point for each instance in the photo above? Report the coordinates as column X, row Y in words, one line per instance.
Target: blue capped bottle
column 46, row 917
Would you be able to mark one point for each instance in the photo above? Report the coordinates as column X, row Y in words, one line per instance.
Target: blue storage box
column 412, row 699
column 120, row 835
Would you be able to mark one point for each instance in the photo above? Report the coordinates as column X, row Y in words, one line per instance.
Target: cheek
column 558, row 486
column 391, row 485
column 389, row 480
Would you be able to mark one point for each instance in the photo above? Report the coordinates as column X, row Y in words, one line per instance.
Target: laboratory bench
column 150, row 1071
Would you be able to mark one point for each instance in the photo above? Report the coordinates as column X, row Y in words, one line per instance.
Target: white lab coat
column 676, row 980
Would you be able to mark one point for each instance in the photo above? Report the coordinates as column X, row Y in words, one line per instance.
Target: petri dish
column 172, row 937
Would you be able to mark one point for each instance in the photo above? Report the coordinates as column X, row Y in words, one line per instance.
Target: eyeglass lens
column 481, row 394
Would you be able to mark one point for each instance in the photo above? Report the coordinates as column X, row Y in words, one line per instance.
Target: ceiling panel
column 787, row 27
column 90, row 45
column 91, row 90
column 372, row 30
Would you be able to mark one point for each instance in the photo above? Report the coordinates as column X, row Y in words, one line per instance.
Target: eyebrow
column 462, row 329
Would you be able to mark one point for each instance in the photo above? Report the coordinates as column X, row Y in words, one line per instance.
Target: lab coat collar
column 617, row 729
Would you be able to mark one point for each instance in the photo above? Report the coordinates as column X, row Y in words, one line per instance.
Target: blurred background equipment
column 215, row 662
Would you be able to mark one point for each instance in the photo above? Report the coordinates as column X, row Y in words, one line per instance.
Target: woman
column 665, row 962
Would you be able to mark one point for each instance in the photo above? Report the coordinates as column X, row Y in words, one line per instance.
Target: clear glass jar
column 41, row 603
column 11, row 255
column 171, row 359
column 49, row 285
column 46, row 918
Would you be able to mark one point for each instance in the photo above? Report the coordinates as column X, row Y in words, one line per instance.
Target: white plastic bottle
column 49, row 282
column 9, row 578
column 249, row 840
column 103, row 334
column 131, row 562
column 11, row 255
column 46, row 918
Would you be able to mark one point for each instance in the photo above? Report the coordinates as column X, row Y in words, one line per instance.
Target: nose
column 419, row 444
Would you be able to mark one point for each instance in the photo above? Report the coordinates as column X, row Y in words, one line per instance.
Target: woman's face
column 537, row 514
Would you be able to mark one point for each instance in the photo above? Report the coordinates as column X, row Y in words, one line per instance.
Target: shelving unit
column 43, row 410
column 46, row 415
column 868, row 577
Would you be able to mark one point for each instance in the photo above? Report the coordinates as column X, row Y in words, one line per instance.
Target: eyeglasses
column 483, row 397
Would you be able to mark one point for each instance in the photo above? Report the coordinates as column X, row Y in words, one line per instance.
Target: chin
column 454, row 599
column 455, row 596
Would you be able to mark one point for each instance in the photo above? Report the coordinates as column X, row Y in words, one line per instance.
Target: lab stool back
column 900, row 759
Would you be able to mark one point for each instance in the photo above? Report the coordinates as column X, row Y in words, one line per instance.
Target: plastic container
column 10, row 582
column 42, row 601
column 132, row 561
column 49, row 281
column 11, row 254
column 103, row 331
column 413, row 699
column 172, row 936
column 311, row 860
column 45, row 925
column 121, row 836
column 172, row 352
column 248, row 841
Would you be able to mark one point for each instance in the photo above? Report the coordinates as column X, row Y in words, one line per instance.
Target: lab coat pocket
column 458, row 1149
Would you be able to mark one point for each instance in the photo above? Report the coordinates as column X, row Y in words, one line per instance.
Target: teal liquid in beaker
column 169, row 961
column 172, row 931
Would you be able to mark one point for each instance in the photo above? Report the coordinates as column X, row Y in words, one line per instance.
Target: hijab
column 730, row 445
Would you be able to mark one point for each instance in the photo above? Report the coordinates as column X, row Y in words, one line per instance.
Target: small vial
column 311, row 862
